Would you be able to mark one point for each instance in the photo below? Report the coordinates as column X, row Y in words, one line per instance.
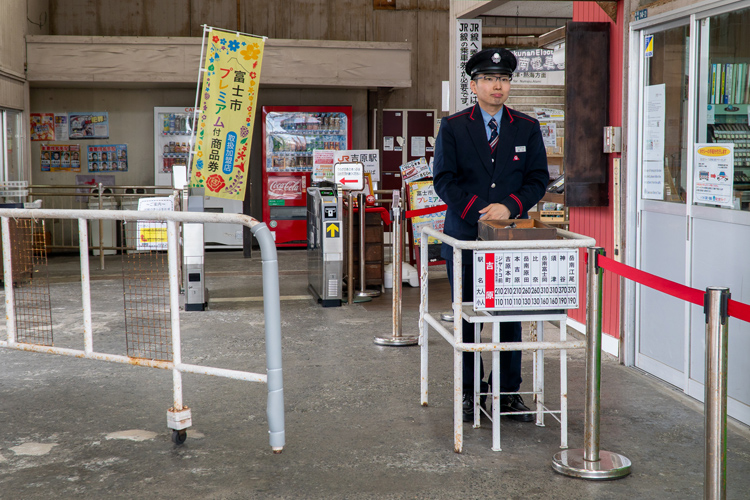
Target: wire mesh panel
column 31, row 282
column 145, row 273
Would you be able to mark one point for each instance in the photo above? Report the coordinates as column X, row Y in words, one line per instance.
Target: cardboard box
column 524, row 229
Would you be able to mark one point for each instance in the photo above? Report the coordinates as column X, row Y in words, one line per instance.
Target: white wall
column 130, row 122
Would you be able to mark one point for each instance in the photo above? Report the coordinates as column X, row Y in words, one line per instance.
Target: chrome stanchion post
column 591, row 462
column 715, row 406
column 397, row 339
column 363, row 292
column 350, row 249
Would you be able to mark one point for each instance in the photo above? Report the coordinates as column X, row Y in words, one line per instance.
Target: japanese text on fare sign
column 517, row 280
column 227, row 111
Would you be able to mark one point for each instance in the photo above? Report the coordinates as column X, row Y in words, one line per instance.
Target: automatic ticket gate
column 325, row 247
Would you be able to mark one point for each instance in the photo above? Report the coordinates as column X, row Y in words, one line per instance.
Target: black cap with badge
column 496, row 61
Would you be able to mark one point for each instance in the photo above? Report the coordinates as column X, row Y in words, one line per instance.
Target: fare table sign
column 525, row 280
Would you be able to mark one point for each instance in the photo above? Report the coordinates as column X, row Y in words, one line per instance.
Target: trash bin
column 109, row 227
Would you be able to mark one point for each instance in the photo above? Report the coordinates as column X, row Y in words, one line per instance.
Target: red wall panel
column 598, row 222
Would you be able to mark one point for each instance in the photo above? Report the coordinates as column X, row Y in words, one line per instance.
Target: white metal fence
column 178, row 416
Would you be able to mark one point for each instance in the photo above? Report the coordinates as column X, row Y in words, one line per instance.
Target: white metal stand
column 464, row 311
column 561, row 415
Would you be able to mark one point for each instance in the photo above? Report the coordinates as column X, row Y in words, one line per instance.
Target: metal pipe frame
column 70, row 191
column 271, row 303
column 570, row 240
column 715, row 402
column 591, row 462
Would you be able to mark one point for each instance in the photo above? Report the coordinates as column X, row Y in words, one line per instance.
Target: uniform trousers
column 510, row 361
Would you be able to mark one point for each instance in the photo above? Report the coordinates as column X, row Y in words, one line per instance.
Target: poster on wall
column 88, row 125
column 108, row 158
column 61, row 127
column 323, row 161
column 714, row 174
column 549, row 114
column 227, row 111
column 42, row 126
column 653, row 142
column 468, row 43
column 549, row 134
column 538, row 67
column 61, row 157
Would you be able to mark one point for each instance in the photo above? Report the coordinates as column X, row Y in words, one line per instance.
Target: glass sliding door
column 720, row 210
column 663, row 190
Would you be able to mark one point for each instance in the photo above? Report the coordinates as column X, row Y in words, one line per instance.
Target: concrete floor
column 354, row 425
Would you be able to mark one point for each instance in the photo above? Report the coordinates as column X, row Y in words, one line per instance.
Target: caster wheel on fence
column 179, row 437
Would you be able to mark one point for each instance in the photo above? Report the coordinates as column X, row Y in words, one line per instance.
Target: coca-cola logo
column 285, row 186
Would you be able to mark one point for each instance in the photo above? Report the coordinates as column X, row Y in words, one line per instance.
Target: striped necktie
column 493, row 134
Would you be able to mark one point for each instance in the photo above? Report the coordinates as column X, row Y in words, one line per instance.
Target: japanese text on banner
column 227, row 112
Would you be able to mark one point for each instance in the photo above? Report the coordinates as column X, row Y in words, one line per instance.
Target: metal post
column 396, row 339
column 101, row 231
column 272, row 313
column 458, row 355
column 423, row 326
column 715, row 406
column 352, row 298
column 83, row 244
column 350, row 250
column 174, row 309
column 591, row 462
column 363, row 292
column 10, row 302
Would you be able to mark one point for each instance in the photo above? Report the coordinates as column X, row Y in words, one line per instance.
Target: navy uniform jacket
column 467, row 179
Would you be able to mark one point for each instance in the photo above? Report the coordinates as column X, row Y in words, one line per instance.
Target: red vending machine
column 290, row 134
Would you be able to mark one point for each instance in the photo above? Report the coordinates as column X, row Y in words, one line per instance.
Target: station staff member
column 490, row 163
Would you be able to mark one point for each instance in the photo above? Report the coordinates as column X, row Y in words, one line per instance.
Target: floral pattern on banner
column 227, row 113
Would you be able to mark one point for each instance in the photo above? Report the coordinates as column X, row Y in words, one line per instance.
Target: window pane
column 13, row 138
column 666, row 78
column 726, row 94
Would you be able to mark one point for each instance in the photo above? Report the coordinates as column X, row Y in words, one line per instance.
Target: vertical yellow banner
column 227, row 113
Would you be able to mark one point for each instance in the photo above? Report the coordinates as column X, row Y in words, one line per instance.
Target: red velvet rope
column 693, row 295
column 424, row 211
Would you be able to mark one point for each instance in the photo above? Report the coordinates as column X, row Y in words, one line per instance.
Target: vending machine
column 290, row 134
column 173, row 128
column 173, row 132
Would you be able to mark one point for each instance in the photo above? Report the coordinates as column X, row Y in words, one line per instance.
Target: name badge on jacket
column 520, row 149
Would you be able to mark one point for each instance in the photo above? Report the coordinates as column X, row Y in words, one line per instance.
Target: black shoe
column 469, row 406
column 514, row 403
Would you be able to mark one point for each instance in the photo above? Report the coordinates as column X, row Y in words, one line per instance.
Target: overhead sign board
column 351, row 175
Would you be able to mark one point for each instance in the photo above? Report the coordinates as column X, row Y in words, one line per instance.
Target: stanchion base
column 367, row 293
column 396, row 341
column 447, row 316
column 610, row 465
column 356, row 299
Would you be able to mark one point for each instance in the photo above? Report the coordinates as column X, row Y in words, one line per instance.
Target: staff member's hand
column 494, row 211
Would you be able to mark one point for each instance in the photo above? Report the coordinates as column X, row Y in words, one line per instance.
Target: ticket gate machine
column 325, row 244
